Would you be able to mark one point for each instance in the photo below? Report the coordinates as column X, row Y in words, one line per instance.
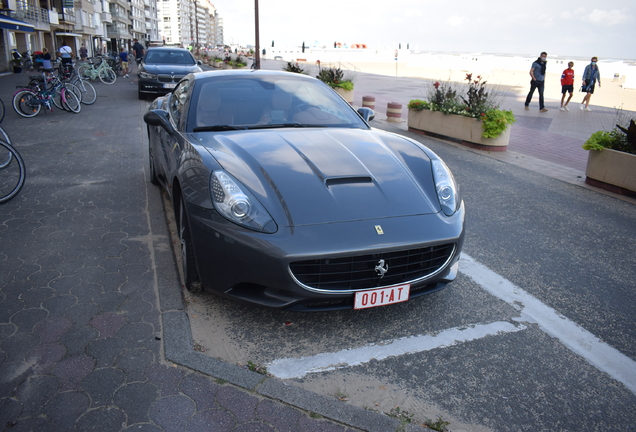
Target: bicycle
column 85, row 90
column 103, row 71
column 12, row 172
column 28, row 102
column 1, row 110
column 47, row 81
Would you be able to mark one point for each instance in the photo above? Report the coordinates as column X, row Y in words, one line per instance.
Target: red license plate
column 381, row 296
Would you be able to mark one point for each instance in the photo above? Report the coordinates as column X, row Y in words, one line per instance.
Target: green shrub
column 495, row 121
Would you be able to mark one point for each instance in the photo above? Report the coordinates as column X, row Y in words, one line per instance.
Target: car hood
column 313, row 176
column 170, row 69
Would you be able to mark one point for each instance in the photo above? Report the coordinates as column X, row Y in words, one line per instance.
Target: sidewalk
column 93, row 332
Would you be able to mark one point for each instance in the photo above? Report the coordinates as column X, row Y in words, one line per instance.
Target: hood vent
column 334, row 181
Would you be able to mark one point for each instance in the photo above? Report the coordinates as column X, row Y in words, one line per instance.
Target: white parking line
column 299, row 367
column 576, row 338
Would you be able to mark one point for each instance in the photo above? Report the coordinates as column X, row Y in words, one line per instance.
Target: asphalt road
column 480, row 360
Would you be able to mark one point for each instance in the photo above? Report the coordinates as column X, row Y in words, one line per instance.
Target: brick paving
column 93, row 333
column 81, row 328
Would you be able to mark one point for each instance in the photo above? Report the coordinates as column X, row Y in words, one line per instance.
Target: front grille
column 169, row 78
column 359, row 272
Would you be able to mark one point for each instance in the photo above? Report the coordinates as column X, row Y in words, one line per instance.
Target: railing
column 26, row 11
column 67, row 15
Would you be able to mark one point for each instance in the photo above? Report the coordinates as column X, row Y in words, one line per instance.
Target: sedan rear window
column 168, row 57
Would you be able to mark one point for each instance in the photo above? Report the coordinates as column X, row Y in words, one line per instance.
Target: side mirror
column 159, row 117
column 199, row 62
column 366, row 113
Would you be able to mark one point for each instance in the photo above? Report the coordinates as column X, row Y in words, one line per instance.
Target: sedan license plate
column 381, row 296
column 170, row 85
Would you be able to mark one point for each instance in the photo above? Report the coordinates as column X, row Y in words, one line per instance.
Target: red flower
column 436, row 85
column 469, row 76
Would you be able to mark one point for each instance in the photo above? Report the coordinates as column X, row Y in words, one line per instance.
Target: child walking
column 567, row 85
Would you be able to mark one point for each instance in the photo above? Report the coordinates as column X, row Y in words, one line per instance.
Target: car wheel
column 188, row 265
column 153, row 175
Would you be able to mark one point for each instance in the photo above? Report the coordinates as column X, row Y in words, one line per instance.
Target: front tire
column 107, row 76
column 188, row 264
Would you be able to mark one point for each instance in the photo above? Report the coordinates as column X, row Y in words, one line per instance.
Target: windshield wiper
column 283, row 125
column 217, row 128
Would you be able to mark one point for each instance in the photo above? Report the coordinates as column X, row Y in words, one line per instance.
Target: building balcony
column 106, row 17
column 37, row 16
column 67, row 16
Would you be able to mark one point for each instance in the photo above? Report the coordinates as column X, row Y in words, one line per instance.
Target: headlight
column 146, row 75
column 447, row 190
column 234, row 204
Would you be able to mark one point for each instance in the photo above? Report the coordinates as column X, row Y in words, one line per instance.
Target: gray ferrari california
column 286, row 198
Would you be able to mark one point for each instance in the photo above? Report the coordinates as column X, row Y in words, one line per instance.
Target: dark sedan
column 162, row 68
column 286, row 198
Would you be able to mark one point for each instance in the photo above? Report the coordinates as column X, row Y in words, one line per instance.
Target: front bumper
column 254, row 267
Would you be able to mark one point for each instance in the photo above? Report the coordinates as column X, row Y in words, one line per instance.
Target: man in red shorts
column 567, row 85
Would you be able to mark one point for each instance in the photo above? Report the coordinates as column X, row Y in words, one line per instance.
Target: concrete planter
column 346, row 94
column 466, row 129
column 612, row 170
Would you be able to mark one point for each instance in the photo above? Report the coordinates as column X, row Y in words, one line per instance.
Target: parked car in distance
column 284, row 196
column 162, row 68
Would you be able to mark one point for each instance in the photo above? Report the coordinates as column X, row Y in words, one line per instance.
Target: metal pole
column 257, row 56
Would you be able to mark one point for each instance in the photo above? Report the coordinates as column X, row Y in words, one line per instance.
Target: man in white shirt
column 66, row 53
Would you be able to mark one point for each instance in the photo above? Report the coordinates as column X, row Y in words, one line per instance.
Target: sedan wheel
column 188, row 265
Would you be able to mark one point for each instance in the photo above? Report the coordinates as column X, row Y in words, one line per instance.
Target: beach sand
column 515, row 84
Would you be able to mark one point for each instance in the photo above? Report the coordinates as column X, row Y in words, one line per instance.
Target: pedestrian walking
column 123, row 55
column 83, row 52
column 66, row 53
column 567, row 86
column 537, row 73
column 591, row 74
column 138, row 50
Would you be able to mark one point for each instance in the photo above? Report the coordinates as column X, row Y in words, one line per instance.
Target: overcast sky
column 606, row 29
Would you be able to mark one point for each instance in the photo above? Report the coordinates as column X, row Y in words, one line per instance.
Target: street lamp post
column 257, row 53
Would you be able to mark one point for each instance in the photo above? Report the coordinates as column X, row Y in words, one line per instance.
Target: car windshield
column 176, row 57
column 258, row 101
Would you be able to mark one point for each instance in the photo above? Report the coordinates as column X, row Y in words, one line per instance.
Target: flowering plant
column 475, row 102
column 334, row 77
column 296, row 68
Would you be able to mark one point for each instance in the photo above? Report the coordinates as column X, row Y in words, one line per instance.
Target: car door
column 172, row 142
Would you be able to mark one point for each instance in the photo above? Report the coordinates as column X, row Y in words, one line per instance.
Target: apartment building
column 189, row 23
column 100, row 25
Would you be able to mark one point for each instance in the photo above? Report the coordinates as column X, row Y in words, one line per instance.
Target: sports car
column 285, row 197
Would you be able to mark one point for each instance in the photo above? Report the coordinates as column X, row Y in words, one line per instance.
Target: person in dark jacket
column 537, row 73
column 591, row 74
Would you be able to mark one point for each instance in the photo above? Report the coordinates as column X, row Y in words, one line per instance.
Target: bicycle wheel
column 1, row 110
column 5, row 157
column 80, row 70
column 75, row 89
column 107, row 76
column 5, row 136
column 26, row 103
column 57, row 101
column 12, row 174
column 89, row 95
column 70, row 101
